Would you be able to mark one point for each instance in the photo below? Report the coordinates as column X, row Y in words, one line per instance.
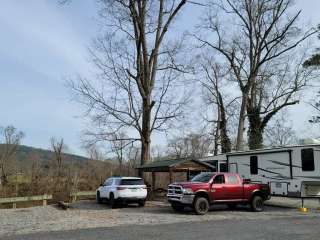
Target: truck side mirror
column 246, row 181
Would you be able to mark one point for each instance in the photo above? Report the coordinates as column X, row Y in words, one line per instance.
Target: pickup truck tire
column 112, row 201
column 257, row 204
column 177, row 208
column 201, row 205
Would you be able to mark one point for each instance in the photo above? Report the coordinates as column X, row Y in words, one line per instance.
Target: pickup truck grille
column 174, row 190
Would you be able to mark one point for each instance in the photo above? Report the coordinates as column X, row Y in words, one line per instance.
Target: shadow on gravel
column 165, row 209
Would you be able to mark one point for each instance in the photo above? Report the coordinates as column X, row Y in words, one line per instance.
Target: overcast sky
column 43, row 43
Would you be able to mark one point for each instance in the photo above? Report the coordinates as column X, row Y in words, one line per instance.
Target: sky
column 43, row 43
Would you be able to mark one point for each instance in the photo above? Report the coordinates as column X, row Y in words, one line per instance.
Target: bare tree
column 264, row 33
column 214, row 81
column 139, row 69
column 193, row 145
column 314, row 62
column 119, row 144
column 280, row 132
column 58, row 148
column 11, row 139
column 94, row 152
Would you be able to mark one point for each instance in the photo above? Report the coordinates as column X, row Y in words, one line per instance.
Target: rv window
column 307, row 159
column 253, row 164
column 223, row 167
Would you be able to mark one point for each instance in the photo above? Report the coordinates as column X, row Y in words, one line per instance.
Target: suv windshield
column 203, row 177
column 131, row 182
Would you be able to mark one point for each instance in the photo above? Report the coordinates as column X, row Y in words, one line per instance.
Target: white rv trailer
column 292, row 171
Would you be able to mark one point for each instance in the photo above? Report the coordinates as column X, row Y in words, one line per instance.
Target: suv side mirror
column 101, row 184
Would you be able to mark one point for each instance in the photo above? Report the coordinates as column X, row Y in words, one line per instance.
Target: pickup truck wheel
column 112, row 201
column 177, row 208
column 201, row 205
column 257, row 204
column 99, row 199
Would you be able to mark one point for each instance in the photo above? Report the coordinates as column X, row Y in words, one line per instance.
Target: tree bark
column 241, row 128
column 225, row 140
column 145, row 133
column 255, row 133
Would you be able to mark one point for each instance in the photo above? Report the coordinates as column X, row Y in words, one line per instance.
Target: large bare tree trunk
column 225, row 140
column 145, row 133
column 255, row 132
column 241, row 127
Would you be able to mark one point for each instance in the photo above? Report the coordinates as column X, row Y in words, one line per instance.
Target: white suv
column 122, row 190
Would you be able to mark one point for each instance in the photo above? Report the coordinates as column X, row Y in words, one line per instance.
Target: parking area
column 89, row 214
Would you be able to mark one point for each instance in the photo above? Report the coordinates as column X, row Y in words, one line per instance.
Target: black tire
column 232, row 206
column 177, row 208
column 201, row 205
column 141, row 203
column 112, row 201
column 99, row 199
column 257, row 204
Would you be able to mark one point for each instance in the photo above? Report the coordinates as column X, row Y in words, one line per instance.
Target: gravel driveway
column 88, row 214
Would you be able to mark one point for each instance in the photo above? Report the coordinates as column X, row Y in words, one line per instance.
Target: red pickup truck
column 210, row 188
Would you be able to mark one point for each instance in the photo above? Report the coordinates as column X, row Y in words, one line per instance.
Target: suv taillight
column 121, row 188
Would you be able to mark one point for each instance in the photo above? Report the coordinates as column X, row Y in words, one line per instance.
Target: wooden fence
column 76, row 195
column 14, row 200
column 44, row 198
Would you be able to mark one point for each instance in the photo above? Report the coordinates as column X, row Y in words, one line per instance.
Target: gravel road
column 271, row 229
column 88, row 214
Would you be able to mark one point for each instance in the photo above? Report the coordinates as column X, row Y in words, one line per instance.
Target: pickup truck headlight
column 187, row 191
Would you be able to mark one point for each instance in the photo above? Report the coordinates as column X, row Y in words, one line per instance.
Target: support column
column 170, row 175
column 153, row 184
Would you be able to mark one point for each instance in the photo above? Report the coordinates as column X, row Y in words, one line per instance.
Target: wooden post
column 153, row 184
column 170, row 175
column 14, row 205
column 188, row 174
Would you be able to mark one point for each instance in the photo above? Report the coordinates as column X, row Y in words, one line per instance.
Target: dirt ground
column 89, row 214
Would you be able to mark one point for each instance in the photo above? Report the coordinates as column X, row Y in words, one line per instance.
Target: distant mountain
column 45, row 155
column 26, row 155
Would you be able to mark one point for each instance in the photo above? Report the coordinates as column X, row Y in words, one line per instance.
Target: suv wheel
column 257, row 204
column 112, row 201
column 99, row 199
column 142, row 203
column 201, row 205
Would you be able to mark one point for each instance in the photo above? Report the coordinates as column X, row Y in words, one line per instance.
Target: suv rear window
column 131, row 182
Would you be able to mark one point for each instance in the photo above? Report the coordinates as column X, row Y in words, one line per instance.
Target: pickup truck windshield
column 203, row 177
